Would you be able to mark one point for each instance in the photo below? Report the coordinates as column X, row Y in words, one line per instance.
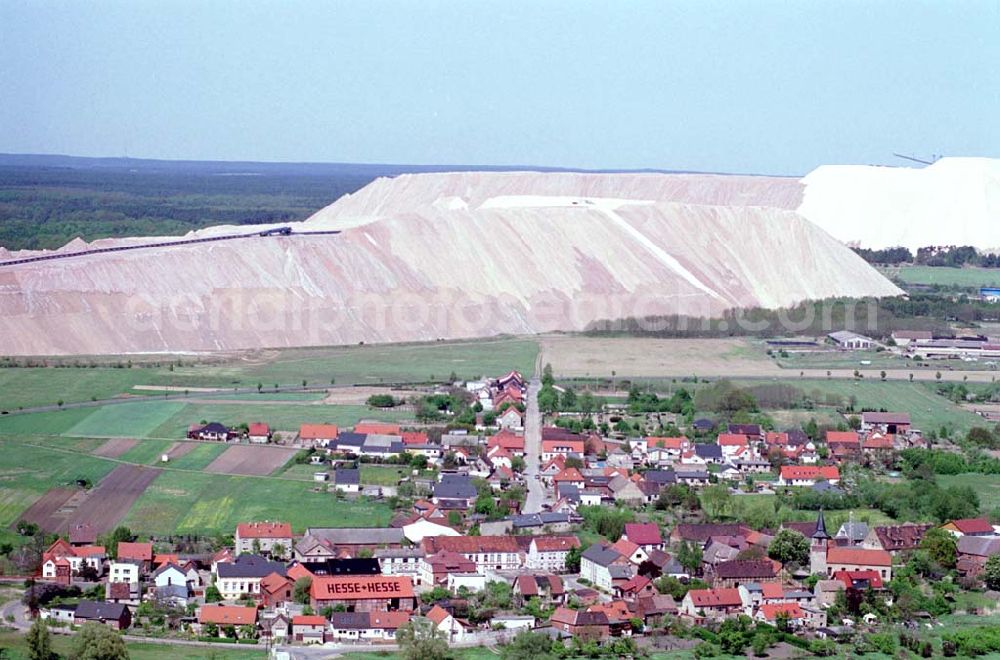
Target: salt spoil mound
column 454, row 255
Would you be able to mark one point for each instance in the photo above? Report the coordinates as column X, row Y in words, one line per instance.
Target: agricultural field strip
column 164, row 466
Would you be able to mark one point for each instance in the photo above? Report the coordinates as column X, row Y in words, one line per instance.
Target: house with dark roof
column 348, row 626
column 113, row 615
column 213, row 431
column 548, row 588
column 603, row 566
column 703, row 425
column 974, row 551
column 730, row 574
column 702, row 605
column 895, row 538
column 701, row 532
column 347, row 480
column 709, row 453
column 349, row 442
column 885, row 422
column 243, row 576
column 321, row 543
column 692, row 477
column 455, row 490
column 580, row 622
column 752, row 431
column 852, row 533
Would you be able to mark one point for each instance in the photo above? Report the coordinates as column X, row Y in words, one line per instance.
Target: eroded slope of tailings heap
column 430, row 256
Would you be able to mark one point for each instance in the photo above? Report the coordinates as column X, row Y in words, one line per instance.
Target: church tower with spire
column 817, row 551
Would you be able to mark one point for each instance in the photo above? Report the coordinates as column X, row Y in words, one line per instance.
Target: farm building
column 851, row 341
column 363, row 593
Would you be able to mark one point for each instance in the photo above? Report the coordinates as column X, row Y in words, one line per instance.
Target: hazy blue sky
column 739, row 86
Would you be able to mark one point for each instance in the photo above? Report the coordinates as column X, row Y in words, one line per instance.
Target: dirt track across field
column 45, row 511
column 250, row 460
column 107, row 504
column 115, row 447
column 579, row 356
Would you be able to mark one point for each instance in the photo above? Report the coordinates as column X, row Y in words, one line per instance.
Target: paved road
column 537, row 495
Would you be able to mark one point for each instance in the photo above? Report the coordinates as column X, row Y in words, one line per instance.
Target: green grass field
column 147, row 452
column 45, row 423
column 928, row 410
column 171, row 419
column 745, row 505
column 188, row 503
column 27, row 472
column 282, row 418
column 199, row 457
column 389, row 363
column 132, row 420
column 17, row 649
column 958, row 277
column 987, row 486
column 376, row 363
column 383, row 475
column 46, row 386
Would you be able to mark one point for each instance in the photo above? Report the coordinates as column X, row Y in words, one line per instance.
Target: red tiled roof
column 259, row 428
column 264, row 530
column 572, row 446
column 470, row 544
column 858, row 557
column 667, row 443
column 643, row 533
column 814, row 472
column 273, row 582
column 772, row 610
column 625, row 547
column 227, row 615
column 878, row 442
column 299, row 571
column 716, row 597
column 527, row 585
column 360, row 587
column 555, row 543
column 850, row 577
column 568, row 474
column 772, row 590
column 135, row 551
column 318, row 431
column 733, row 440
column 973, row 525
column 308, row 620
column 437, row 614
column 775, row 438
column 506, row 440
column 414, row 437
column 636, row 584
column 388, row 620
column 842, row 437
